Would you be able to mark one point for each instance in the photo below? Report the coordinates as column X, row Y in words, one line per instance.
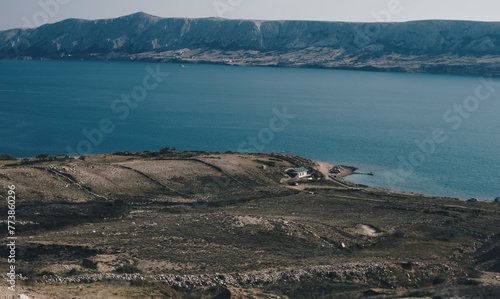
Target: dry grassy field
column 199, row 225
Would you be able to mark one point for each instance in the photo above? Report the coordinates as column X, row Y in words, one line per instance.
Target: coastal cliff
column 445, row 47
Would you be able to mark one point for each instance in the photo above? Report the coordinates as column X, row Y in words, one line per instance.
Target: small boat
column 371, row 173
column 181, row 65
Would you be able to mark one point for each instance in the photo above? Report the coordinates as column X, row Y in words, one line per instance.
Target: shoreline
column 253, row 64
column 323, row 167
column 347, row 171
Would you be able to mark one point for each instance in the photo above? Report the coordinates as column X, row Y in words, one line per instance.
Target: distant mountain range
column 444, row 47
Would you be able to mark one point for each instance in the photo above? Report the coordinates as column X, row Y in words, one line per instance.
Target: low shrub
column 5, row 157
column 128, row 268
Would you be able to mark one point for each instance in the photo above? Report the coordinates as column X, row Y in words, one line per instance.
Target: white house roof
column 299, row 170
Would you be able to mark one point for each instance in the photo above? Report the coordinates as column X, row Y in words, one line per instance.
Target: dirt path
column 70, row 180
column 324, row 168
column 302, row 187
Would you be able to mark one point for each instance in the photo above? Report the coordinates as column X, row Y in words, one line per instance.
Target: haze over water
column 361, row 119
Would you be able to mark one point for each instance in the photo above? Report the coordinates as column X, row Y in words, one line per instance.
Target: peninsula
column 201, row 225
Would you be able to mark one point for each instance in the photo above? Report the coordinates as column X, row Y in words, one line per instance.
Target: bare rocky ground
column 323, row 58
column 310, row 57
column 198, row 225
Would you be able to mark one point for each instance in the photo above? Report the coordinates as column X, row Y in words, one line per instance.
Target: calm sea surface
column 368, row 120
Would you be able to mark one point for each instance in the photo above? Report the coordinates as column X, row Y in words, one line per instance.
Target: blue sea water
column 368, row 120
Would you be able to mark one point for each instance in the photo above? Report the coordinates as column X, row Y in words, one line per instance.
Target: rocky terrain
column 444, row 47
column 200, row 225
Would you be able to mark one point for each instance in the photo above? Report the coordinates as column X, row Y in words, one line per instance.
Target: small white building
column 300, row 172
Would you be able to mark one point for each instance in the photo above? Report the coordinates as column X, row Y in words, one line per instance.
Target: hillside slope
column 453, row 47
column 192, row 225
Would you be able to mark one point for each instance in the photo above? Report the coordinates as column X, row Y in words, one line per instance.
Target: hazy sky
column 27, row 13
